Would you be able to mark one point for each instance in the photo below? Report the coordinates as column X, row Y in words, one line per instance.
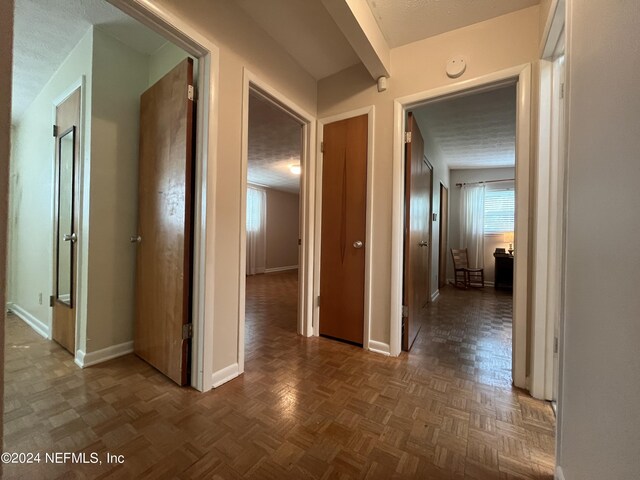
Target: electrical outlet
column 40, row 298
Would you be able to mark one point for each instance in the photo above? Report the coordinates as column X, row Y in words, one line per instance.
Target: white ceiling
column 475, row 131
column 275, row 142
column 306, row 31
column 408, row 21
column 47, row 31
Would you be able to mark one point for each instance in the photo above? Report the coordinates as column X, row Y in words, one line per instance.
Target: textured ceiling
column 46, row 31
column 306, row 31
column 275, row 142
column 475, row 131
column 408, row 21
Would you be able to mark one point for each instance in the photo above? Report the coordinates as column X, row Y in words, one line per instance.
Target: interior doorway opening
column 469, row 144
column 520, row 77
column 273, row 226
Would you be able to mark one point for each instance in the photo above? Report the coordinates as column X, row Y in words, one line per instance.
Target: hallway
column 305, row 408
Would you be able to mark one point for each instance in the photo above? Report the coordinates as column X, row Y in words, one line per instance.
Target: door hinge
column 405, row 311
column 51, row 300
column 187, row 331
column 318, row 300
column 555, row 344
column 407, row 137
column 55, row 130
column 322, row 147
column 191, row 93
column 562, row 90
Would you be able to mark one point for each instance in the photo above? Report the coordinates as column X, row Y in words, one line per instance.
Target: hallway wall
column 493, row 45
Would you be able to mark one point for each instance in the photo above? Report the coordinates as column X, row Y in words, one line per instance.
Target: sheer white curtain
column 256, row 230
column 472, row 223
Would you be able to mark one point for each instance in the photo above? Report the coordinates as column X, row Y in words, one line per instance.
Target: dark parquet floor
column 305, row 408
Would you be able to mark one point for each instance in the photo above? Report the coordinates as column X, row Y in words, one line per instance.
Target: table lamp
column 508, row 238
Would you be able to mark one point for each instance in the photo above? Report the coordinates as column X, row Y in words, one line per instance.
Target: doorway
column 291, row 175
column 520, row 78
column 273, row 227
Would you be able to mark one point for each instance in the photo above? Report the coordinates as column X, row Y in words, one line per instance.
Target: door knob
column 135, row 239
column 357, row 244
column 70, row 237
column 423, row 243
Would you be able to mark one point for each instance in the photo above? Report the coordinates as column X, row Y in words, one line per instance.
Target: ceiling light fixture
column 295, row 168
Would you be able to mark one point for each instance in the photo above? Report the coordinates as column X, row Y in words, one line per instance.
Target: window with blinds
column 499, row 208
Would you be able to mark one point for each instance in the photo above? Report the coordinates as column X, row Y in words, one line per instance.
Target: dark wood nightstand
column 503, row 271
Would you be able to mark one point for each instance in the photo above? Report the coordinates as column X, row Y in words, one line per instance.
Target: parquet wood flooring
column 306, row 408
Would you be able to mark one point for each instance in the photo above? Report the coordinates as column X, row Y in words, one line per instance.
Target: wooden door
column 344, row 203
column 67, row 154
column 417, row 235
column 444, row 236
column 163, row 263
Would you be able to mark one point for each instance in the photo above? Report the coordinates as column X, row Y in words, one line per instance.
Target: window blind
column 499, row 208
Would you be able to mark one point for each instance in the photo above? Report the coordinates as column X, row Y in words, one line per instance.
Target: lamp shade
column 508, row 237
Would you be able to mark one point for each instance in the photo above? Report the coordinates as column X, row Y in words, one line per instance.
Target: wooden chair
column 465, row 277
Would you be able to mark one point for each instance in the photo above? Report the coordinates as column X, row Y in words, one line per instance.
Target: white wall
column 242, row 43
column 31, row 188
column 282, row 229
column 120, row 75
column 491, row 46
column 598, row 422
column 491, row 242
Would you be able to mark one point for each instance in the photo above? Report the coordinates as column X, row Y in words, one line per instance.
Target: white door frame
column 194, row 43
column 547, row 292
column 367, row 342
column 252, row 82
column 520, row 75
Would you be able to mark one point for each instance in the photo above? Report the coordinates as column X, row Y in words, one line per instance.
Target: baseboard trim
column 559, row 473
column 224, row 375
column 40, row 327
column 379, row 347
column 84, row 359
column 281, row 269
column 435, row 295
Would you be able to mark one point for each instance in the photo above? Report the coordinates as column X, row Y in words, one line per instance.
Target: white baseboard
column 435, row 295
column 280, row 269
column 40, row 327
column 559, row 475
column 379, row 347
column 93, row 358
column 224, row 375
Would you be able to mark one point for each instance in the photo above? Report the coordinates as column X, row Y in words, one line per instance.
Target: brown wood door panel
column 163, row 263
column 63, row 328
column 344, row 203
column 444, row 235
column 416, row 294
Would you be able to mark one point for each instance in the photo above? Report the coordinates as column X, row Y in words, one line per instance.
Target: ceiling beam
column 359, row 26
